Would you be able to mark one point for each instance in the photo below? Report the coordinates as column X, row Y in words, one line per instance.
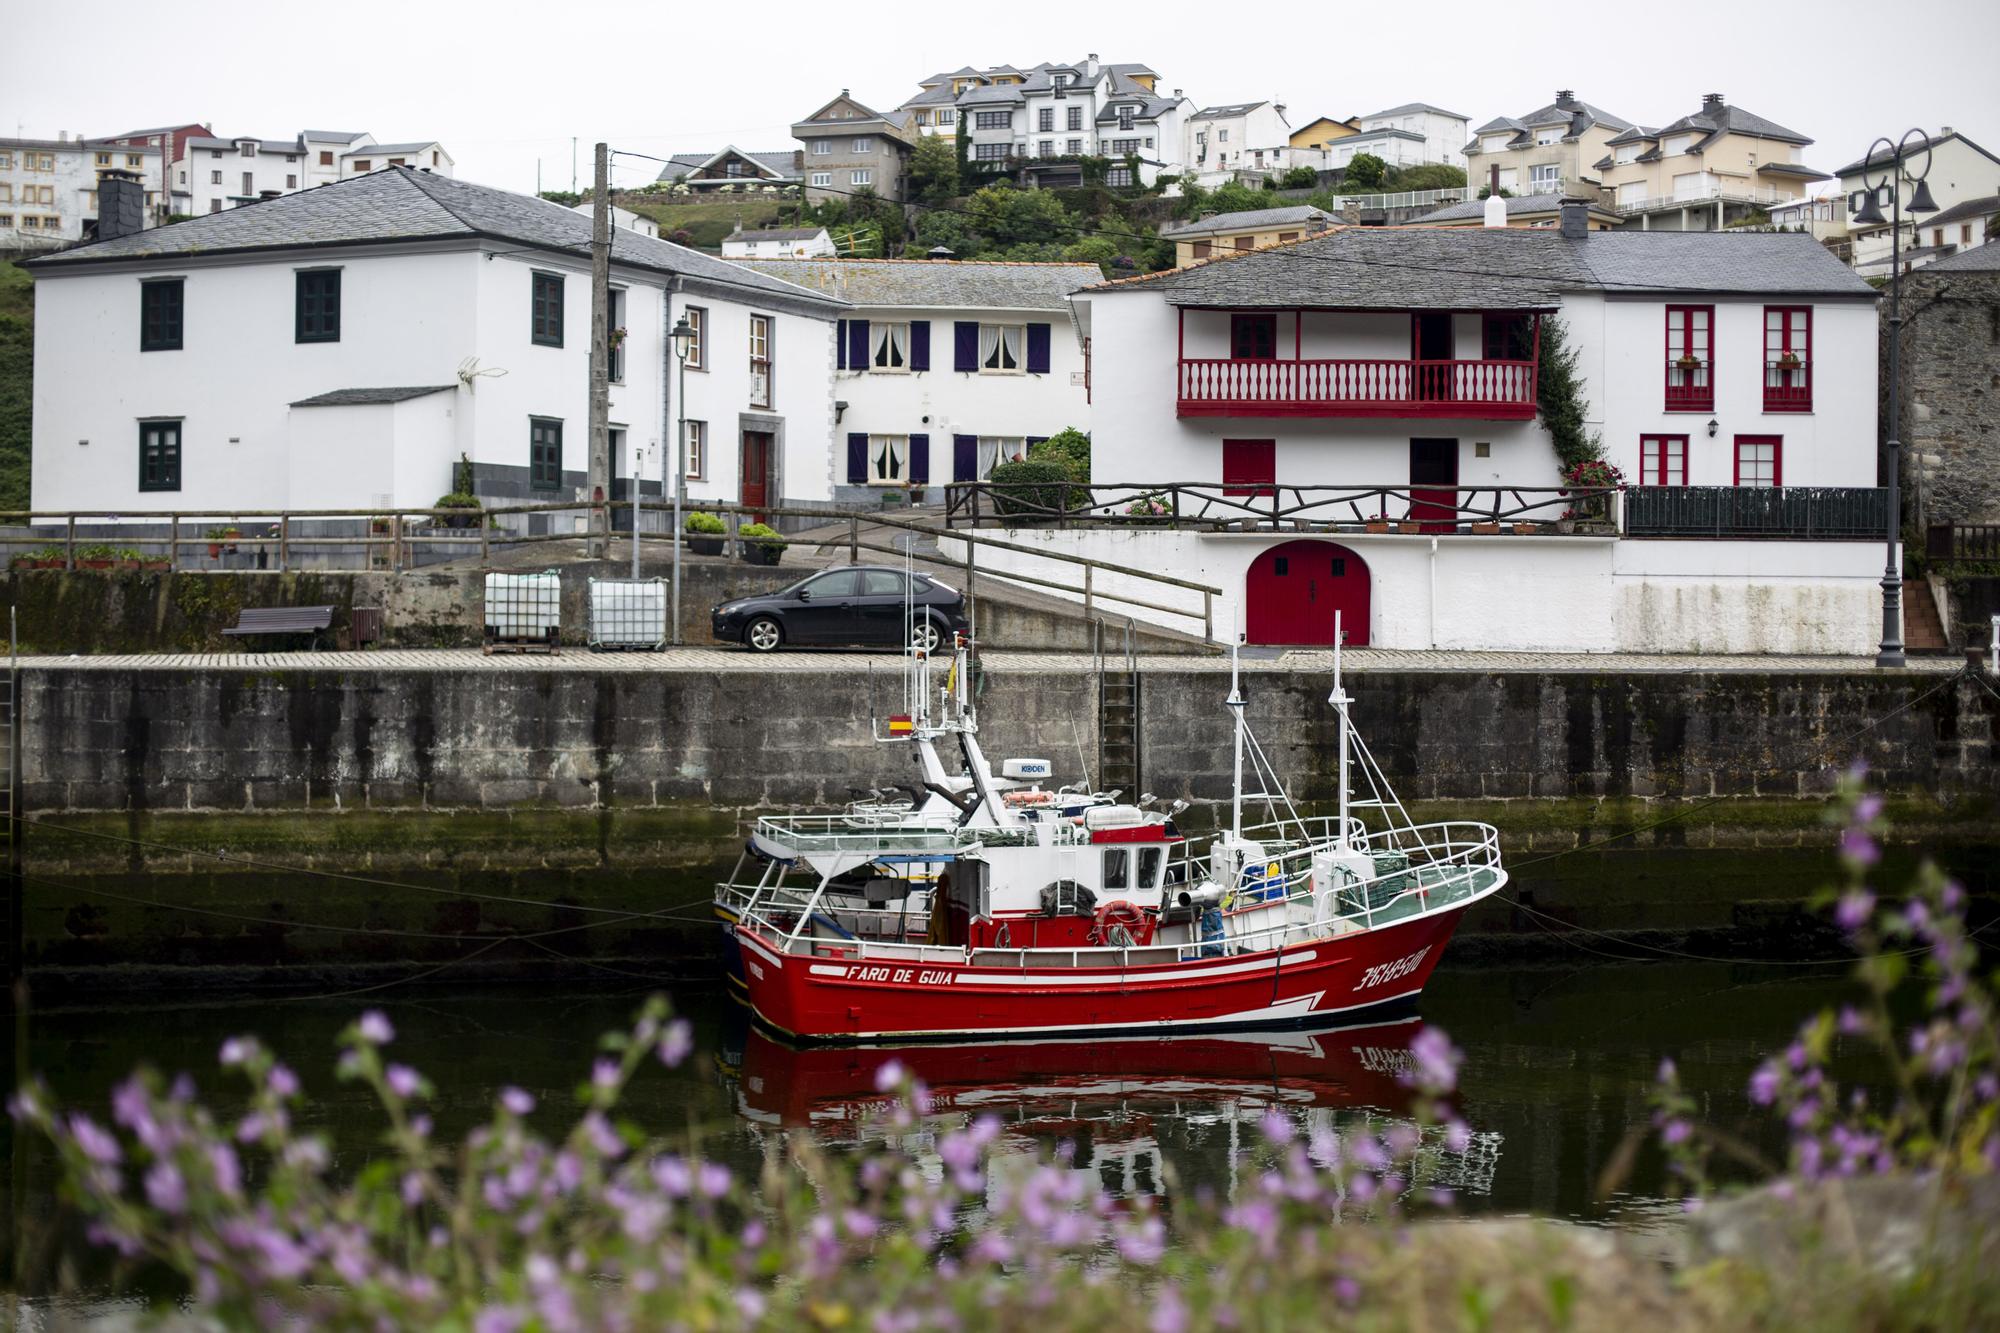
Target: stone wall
column 234, row 739
column 1951, row 394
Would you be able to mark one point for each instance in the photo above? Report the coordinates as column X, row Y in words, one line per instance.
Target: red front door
column 1434, row 484
column 756, row 470
column 1293, row 591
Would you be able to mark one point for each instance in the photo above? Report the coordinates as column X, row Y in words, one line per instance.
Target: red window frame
column 1263, row 325
column 1653, row 469
column 1690, row 389
column 1249, row 467
column 1504, row 336
column 1777, row 443
column 1788, row 388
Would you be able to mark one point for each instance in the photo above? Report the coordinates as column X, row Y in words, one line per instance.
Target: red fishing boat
column 1105, row 923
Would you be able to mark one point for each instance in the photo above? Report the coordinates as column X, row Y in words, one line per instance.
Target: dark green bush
column 1036, row 486
column 1069, row 447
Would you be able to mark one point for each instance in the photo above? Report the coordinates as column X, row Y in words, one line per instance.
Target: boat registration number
column 1383, row 972
column 920, row 976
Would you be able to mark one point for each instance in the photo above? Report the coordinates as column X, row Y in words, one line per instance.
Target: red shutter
column 1249, row 467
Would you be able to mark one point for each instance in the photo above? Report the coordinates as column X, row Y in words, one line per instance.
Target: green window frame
column 161, row 302
column 545, row 316
column 544, row 453
column 318, row 319
column 160, row 455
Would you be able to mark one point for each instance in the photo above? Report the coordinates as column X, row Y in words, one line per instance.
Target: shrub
column 1299, row 178
column 1069, row 447
column 96, row 551
column 1365, row 172
column 457, row 500
column 1036, row 486
column 704, row 522
column 758, row 534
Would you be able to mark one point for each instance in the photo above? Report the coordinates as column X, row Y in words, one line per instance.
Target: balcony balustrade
column 1481, row 390
column 1690, row 388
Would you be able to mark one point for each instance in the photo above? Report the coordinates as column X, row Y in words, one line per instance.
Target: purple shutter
column 857, row 459
column 920, row 344
column 840, row 345
column 965, row 344
column 965, row 458
column 1038, row 349
column 920, row 460
column 1034, row 440
column 857, row 344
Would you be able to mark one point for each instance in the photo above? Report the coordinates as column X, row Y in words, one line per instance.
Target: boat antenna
column 1236, row 783
column 1339, row 701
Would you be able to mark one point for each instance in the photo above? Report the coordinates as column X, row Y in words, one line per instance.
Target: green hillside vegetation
column 17, row 379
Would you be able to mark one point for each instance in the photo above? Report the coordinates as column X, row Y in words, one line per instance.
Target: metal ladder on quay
column 1118, row 747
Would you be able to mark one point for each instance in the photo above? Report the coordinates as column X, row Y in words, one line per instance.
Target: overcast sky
column 507, row 87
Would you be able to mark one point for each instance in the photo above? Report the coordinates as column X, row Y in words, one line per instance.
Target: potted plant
column 49, row 557
column 1687, row 361
column 762, row 545
column 1409, row 527
column 1377, row 523
column 378, row 526
column 467, row 509
column 218, row 541
column 1526, row 529
column 1598, row 477
column 98, row 555
column 1150, row 508
column 1485, row 527
column 710, row 530
column 1789, row 361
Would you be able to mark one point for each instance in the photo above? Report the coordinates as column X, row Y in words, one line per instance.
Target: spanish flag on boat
column 900, row 725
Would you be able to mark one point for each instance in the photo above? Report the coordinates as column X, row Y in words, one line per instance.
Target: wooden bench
column 311, row 620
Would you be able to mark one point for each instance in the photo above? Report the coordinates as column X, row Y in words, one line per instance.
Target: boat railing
column 1461, row 862
column 844, row 833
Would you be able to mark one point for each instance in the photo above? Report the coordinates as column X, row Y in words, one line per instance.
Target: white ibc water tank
column 523, row 606
column 1116, row 816
column 628, row 613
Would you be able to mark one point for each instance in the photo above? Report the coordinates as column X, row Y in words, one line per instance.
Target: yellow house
column 1316, row 135
column 1704, row 170
column 1223, row 233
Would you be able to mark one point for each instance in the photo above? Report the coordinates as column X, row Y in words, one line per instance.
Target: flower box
column 1378, row 525
column 1526, row 529
column 1409, row 527
column 1486, row 529
column 705, row 545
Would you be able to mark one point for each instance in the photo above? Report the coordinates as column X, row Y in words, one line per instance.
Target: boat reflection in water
column 1122, row 1108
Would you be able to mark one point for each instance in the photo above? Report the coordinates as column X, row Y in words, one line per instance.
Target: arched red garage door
column 1293, row 590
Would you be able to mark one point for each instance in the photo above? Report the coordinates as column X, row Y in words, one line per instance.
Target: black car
column 864, row 604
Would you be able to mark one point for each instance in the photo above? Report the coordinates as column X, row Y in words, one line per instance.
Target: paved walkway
column 716, row 658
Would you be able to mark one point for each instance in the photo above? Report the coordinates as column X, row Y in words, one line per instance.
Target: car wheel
column 926, row 636
column 763, row 634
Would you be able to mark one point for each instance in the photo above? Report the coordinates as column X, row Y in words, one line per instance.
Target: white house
column 1304, row 392
column 346, row 346
column 777, row 243
column 1041, row 120
column 946, row 367
column 1219, row 141
column 48, row 187
column 622, row 217
column 213, row 173
column 1405, row 136
column 1960, row 173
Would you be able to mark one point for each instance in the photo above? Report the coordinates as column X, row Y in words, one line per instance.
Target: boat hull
column 1311, row 982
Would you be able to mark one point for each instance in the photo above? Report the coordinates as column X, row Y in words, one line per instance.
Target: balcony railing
column 1689, row 388
column 1486, row 390
column 1809, row 513
column 1787, row 386
column 1728, row 194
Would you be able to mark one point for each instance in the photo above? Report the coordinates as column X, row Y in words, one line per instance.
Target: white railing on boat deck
column 1442, row 864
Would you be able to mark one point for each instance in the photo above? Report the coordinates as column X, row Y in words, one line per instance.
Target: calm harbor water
column 1558, row 1065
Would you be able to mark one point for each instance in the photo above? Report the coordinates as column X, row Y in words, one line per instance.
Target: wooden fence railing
column 1206, row 505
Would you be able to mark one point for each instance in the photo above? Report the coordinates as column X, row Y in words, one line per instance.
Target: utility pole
column 600, row 359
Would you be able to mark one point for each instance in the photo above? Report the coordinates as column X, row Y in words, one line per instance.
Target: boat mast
column 1236, row 783
column 1339, row 701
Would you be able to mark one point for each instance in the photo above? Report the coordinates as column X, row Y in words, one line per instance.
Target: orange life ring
column 1121, row 915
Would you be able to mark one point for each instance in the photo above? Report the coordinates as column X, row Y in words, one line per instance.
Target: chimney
column 1943, row 130
column 1090, row 66
column 121, row 205
column 1566, row 98
column 1709, row 101
column 1177, row 97
column 1575, row 219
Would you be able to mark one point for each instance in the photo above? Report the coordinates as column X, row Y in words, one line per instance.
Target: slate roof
column 1798, row 169
column 1409, row 108
column 364, row 397
column 1149, row 106
column 992, row 94
column 1447, row 268
column 332, row 136
column 377, row 149
column 1979, row 259
column 1718, row 118
column 934, row 283
column 283, row 143
column 1228, row 109
column 404, row 204
column 1636, row 134
column 1984, row 207
column 1577, row 117
column 777, row 234
column 1249, row 220
column 1476, row 208
column 1881, row 159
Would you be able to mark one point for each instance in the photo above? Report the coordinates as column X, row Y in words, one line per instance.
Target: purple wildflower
column 165, row 1189
column 282, row 1082
column 1858, row 848
column 402, row 1080
column 1676, row 1132
column 890, row 1076
column 234, row 1052
column 1852, row 911
column 712, row 1179
column 516, row 1101
column 374, row 1028
column 1277, row 1126
column 1436, row 1060
column 604, row 1075
column 97, row 1143
column 677, row 1043
column 1764, row 1084
column 1170, row 1312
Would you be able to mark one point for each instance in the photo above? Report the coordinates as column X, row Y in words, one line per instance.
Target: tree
column 1429, row 176
column 1006, row 218
column 1365, row 172
column 934, row 171
column 1236, row 197
column 946, row 229
column 1300, row 178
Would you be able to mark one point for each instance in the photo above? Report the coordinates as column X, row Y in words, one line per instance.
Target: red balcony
column 1787, row 386
column 1479, row 390
column 1689, row 387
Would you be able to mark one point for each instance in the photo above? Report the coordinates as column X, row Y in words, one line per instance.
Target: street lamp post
column 1865, row 207
column 682, row 338
column 638, row 474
